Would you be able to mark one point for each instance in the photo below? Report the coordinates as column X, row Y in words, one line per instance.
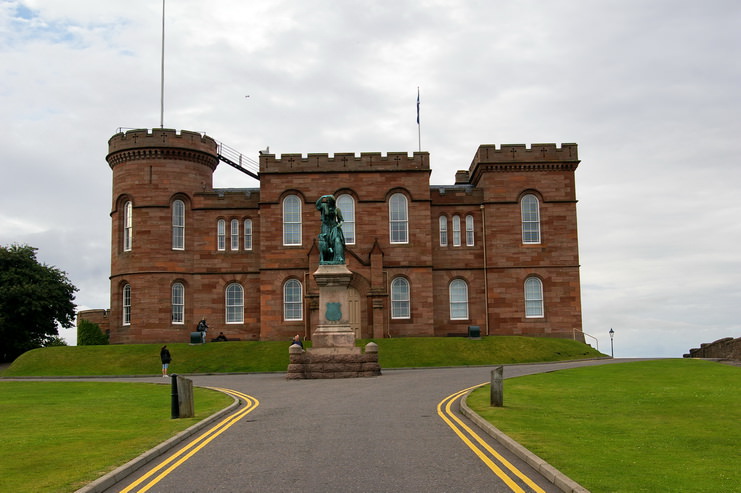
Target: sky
column 650, row 90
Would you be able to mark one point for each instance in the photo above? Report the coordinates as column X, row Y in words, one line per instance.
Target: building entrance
column 353, row 305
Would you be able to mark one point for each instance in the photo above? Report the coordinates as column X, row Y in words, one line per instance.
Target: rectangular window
column 469, row 230
column 128, row 232
column 178, row 225
column 248, row 234
column 234, row 236
column 127, row 305
column 221, row 235
column 443, row 231
column 456, row 231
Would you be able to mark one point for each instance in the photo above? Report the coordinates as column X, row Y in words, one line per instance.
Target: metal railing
column 574, row 331
column 238, row 160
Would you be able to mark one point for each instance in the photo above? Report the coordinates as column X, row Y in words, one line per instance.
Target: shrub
column 89, row 334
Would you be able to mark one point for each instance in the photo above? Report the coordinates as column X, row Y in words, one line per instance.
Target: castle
column 497, row 250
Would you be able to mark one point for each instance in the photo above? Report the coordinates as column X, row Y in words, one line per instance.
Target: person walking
column 166, row 358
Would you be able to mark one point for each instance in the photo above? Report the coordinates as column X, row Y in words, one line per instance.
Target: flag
column 418, row 106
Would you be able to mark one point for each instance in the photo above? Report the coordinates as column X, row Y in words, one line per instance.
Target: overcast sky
column 649, row 89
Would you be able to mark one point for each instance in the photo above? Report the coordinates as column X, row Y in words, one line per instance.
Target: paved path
column 380, row 434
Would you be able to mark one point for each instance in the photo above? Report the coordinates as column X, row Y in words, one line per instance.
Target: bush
column 89, row 334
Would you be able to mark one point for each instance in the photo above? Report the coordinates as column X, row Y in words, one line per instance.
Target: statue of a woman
column 331, row 238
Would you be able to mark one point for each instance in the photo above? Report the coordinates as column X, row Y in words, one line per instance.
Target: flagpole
column 162, row 72
column 419, row 130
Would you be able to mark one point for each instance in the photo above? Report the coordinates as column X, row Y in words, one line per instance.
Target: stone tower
column 152, row 170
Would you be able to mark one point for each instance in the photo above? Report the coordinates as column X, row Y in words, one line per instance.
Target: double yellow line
column 483, row 450
column 194, row 446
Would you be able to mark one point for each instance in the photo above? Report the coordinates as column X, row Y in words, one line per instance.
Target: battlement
column 520, row 157
column 162, row 138
column 535, row 153
column 344, row 161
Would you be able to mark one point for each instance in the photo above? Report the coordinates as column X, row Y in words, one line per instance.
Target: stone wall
column 726, row 348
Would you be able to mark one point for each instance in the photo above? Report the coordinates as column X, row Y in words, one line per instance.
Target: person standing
column 166, row 358
column 202, row 328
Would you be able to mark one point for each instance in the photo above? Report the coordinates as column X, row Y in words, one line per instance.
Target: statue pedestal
column 333, row 353
column 334, row 329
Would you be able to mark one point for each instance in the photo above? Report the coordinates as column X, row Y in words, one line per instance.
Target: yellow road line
column 448, row 416
column 194, row 446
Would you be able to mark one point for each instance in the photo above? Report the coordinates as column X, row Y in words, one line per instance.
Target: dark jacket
column 165, row 356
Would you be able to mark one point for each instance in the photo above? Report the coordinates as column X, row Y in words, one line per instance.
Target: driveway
column 381, row 434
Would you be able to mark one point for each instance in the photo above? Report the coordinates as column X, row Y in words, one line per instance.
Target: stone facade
column 154, row 169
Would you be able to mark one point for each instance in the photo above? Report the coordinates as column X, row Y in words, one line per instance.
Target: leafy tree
column 54, row 341
column 34, row 300
column 89, row 334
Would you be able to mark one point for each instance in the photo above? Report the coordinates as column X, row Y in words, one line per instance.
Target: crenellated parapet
column 162, row 143
column 521, row 157
column 344, row 161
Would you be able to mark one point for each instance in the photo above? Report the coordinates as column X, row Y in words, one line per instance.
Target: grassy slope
column 244, row 356
column 666, row 425
column 58, row 436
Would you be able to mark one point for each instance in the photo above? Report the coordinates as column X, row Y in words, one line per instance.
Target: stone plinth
column 333, row 353
column 334, row 329
column 333, row 362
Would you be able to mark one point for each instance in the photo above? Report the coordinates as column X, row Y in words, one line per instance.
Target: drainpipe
column 486, row 273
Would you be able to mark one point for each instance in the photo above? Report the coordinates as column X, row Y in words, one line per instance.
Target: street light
column 612, row 349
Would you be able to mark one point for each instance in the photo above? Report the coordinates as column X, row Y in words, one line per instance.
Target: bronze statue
column 331, row 238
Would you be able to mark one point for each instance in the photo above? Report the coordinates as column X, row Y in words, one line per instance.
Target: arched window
column 456, row 230
column 533, row 297
column 458, row 291
column 530, row 219
column 126, row 304
column 178, row 225
column 248, row 234
column 291, row 220
column 234, row 304
column 469, row 230
column 178, row 303
column 128, row 226
column 293, row 300
column 400, row 297
column 398, row 219
column 443, row 231
column 346, row 204
column 234, row 234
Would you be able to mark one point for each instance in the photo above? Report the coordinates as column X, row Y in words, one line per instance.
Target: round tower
column 156, row 176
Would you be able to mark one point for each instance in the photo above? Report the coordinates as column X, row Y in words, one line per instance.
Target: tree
column 34, row 300
column 89, row 334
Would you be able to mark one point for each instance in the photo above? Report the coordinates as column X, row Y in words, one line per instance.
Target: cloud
column 647, row 90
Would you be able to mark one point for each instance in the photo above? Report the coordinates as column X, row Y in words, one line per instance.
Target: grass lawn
column 252, row 356
column 667, row 425
column 59, row 436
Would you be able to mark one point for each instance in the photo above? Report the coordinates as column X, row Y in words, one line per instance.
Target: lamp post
column 612, row 349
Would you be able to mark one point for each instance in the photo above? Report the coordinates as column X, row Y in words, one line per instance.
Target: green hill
column 266, row 356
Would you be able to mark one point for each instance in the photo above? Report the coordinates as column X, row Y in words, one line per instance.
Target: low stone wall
column 726, row 348
column 333, row 364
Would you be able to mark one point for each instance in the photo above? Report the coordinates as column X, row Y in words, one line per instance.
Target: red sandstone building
column 497, row 249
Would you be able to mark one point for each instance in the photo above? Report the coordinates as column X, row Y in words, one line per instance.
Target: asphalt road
column 381, row 434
